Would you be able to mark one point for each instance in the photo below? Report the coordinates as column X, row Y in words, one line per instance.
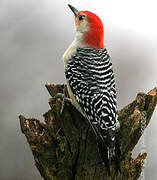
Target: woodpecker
column 90, row 81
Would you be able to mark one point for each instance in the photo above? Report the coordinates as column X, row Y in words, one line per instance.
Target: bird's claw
column 62, row 96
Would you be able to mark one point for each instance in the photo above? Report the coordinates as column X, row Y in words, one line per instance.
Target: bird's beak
column 74, row 10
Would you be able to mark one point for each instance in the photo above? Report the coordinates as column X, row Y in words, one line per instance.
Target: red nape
column 95, row 36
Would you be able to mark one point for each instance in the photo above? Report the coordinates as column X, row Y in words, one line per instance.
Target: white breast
column 72, row 48
column 67, row 55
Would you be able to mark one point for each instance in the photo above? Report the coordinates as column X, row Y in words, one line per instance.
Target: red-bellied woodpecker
column 90, row 81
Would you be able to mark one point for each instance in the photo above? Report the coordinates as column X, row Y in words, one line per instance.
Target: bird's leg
column 62, row 96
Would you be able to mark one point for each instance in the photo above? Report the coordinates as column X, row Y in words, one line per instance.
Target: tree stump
column 64, row 146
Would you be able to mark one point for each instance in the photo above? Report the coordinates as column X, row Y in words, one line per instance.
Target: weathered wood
column 64, row 146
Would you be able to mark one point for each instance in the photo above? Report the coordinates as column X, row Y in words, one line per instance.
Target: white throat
column 77, row 42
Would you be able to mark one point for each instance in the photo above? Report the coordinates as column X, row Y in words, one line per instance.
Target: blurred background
column 33, row 37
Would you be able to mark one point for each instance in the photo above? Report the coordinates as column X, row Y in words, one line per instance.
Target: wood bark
column 64, row 145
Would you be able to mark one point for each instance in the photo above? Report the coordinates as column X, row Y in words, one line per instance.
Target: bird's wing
column 94, row 99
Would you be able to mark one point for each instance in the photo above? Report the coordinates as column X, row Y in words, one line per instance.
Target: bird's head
column 90, row 28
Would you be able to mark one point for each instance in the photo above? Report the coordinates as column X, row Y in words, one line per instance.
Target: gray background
column 33, row 36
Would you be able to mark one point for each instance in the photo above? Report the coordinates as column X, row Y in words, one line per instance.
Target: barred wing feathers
column 91, row 79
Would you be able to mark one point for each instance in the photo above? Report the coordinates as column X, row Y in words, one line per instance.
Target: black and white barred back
column 91, row 79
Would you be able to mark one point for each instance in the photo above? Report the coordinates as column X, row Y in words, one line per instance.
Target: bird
column 90, row 82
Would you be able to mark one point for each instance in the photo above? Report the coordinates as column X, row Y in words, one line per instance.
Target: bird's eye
column 80, row 18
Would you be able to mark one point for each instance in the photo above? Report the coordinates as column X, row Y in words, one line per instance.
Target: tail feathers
column 109, row 154
column 117, row 156
column 103, row 154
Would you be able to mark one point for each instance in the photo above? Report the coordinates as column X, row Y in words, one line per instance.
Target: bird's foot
column 62, row 96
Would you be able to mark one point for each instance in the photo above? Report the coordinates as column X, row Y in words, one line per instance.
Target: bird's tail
column 103, row 154
column 109, row 154
column 117, row 157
